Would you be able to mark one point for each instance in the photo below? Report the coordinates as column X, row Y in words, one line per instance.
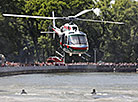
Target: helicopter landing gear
column 79, row 54
column 70, row 54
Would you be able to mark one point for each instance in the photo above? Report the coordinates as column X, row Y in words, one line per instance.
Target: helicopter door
column 62, row 40
column 65, row 40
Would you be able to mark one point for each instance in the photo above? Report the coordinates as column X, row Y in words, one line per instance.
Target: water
column 70, row 87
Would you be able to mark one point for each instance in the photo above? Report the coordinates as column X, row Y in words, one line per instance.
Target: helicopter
column 72, row 40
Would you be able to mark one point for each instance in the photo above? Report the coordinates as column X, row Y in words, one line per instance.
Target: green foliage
column 121, row 39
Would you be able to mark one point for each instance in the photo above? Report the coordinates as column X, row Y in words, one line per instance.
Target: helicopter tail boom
column 54, row 25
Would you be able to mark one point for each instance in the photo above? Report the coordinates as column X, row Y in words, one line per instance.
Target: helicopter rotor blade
column 47, row 32
column 82, row 12
column 100, row 21
column 64, row 18
column 28, row 16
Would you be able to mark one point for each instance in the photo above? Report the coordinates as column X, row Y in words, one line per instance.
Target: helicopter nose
column 80, row 48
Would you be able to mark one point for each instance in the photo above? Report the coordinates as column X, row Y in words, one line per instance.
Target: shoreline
column 9, row 71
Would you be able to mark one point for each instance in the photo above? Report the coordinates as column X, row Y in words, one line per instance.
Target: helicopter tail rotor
column 54, row 25
column 53, row 15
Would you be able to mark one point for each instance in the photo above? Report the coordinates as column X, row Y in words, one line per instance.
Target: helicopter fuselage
column 72, row 40
column 74, row 43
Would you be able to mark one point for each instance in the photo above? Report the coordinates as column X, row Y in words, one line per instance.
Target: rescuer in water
column 23, row 92
column 93, row 92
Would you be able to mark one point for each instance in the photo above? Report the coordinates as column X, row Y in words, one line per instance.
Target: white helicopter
column 72, row 40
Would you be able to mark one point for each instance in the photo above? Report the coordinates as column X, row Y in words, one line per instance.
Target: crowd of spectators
column 103, row 64
column 13, row 64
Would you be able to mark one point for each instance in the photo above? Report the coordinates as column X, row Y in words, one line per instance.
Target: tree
column 118, row 39
column 10, row 39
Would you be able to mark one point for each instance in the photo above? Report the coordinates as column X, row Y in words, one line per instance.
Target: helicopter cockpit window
column 62, row 29
column 77, row 39
column 74, row 28
column 68, row 28
column 62, row 38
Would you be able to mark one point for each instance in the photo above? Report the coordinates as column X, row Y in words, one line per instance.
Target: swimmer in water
column 93, row 92
column 23, row 92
